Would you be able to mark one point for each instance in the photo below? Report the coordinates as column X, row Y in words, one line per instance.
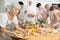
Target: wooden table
column 47, row 37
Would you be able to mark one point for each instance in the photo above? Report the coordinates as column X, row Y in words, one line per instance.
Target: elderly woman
column 7, row 18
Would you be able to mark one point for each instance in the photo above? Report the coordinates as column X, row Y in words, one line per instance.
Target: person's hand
column 39, row 31
column 31, row 15
column 49, row 26
column 23, row 31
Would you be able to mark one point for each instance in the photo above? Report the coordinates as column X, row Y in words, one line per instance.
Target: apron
column 9, row 27
column 5, row 36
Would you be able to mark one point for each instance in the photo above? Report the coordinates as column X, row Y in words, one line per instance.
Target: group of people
column 9, row 19
column 50, row 14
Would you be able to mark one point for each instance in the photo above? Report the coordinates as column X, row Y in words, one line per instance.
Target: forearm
column 3, row 30
column 38, row 16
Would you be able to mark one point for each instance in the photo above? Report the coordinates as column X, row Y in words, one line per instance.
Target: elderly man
column 47, row 7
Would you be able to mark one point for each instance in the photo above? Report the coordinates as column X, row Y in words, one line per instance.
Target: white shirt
column 4, row 20
column 21, row 15
column 40, row 12
column 30, row 9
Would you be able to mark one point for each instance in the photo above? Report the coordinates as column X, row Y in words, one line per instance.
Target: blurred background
column 3, row 3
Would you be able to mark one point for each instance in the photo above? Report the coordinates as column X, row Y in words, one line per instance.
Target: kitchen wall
column 26, row 1
column 3, row 3
column 7, row 2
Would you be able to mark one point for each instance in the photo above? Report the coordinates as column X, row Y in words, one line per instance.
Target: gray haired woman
column 9, row 17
